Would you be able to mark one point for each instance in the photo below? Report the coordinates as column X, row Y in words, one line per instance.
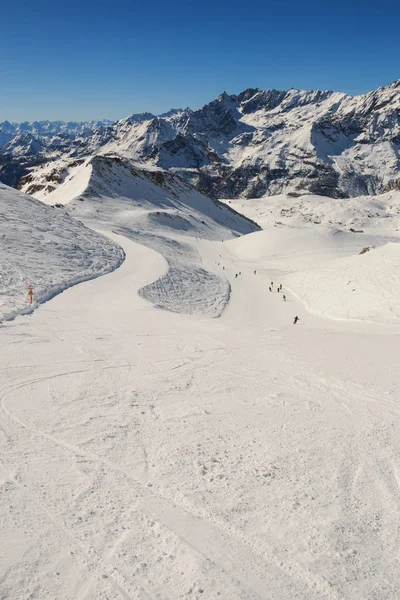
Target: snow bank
column 291, row 249
column 363, row 212
column 45, row 248
column 365, row 287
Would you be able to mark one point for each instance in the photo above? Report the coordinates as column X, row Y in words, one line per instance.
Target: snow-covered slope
column 252, row 144
column 159, row 198
column 366, row 286
column 42, row 247
column 50, row 128
column 160, row 210
column 150, row 454
column 294, row 210
column 316, row 246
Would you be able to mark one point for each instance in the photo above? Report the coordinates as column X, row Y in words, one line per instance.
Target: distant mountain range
column 253, row 144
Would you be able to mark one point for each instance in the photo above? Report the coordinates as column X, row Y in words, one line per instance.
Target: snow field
column 147, row 453
column 46, row 249
column 160, row 211
column 381, row 213
column 321, row 263
column 363, row 287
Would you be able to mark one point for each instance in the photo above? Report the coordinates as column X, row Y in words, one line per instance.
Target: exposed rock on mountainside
column 160, row 197
column 254, row 144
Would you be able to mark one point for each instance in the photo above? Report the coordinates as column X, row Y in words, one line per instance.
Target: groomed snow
column 150, row 453
column 365, row 286
column 49, row 250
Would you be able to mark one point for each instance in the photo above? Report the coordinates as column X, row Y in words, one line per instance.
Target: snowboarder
column 295, row 320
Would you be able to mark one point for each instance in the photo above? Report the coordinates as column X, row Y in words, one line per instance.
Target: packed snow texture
column 47, row 249
column 186, row 286
column 152, row 454
column 366, row 286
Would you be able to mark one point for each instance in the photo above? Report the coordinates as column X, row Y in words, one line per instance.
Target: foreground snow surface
column 153, row 454
column 42, row 247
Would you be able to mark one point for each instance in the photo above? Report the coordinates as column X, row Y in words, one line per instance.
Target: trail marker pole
column 30, row 294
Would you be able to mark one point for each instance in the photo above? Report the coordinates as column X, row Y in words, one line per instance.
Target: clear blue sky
column 91, row 60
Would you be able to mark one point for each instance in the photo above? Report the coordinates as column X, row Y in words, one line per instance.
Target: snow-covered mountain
column 148, row 205
column 253, row 144
column 27, row 145
column 151, row 453
column 151, row 197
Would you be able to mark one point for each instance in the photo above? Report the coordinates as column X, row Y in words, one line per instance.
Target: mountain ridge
column 252, row 144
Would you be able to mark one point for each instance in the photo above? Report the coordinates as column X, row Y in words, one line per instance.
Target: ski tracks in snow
column 154, row 455
column 222, row 558
column 224, row 552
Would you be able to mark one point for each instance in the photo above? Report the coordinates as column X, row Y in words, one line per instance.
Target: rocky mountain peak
column 259, row 142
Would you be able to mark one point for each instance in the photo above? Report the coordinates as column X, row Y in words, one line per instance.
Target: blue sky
column 81, row 60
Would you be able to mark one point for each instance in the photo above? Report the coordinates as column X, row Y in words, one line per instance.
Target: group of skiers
column 271, row 287
column 279, row 289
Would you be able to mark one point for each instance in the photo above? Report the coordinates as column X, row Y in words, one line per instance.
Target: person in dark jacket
column 295, row 320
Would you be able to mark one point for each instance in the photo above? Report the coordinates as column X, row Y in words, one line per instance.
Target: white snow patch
column 362, row 212
column 47, row 249
column 365, row 287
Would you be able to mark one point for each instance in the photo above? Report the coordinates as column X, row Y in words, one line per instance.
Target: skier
column 295, row 320
column 284, row 297
column 270, row 288
column 255, row 272
column 236, row 276
column 272, row 284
